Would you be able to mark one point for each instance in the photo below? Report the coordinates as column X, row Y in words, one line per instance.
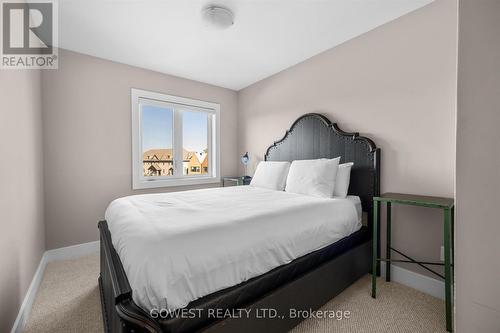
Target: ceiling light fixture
column 218, row 17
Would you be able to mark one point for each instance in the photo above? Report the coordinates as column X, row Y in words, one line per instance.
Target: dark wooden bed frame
column 311, row 136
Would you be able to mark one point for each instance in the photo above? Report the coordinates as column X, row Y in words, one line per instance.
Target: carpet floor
column 68, row 301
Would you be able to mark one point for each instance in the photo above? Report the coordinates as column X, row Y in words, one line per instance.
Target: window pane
column 195, row 143
column 157, row 134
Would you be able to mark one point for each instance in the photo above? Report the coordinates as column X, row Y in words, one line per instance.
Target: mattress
column 179, row 247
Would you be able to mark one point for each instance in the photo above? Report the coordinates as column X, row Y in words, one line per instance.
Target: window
column 175, row 140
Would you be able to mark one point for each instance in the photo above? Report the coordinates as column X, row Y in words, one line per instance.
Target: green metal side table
column 447, row 205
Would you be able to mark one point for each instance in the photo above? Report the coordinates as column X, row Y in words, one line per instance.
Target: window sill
column 145, row 184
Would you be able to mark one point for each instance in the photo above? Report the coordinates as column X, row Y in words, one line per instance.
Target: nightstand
column 238, row 180
column 445, row 204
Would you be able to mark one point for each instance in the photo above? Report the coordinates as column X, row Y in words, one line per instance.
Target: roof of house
column 164, row 154
column 201, row 156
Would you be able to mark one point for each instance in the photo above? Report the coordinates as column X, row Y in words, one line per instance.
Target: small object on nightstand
column 239, row 180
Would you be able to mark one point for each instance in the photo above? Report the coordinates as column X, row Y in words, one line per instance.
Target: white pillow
column 271, row 175
column 342, row 180
column 313, row 177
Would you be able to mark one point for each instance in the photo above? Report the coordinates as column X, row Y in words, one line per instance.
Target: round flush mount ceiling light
column 218, row 17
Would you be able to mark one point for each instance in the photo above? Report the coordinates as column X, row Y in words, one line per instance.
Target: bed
column 268, row 259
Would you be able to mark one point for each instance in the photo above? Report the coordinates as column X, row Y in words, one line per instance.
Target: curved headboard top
column 314, row 136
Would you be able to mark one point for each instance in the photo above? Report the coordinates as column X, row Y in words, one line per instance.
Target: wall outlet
column 441, row 256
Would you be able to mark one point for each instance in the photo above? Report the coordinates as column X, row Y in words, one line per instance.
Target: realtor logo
column 29, row 34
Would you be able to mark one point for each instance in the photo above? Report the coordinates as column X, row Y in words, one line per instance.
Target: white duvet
column 177, row 247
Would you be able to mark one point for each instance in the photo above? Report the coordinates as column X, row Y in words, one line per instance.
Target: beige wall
column 87, row 138
column 478, row 168
column 396, row 85
column 22, row 239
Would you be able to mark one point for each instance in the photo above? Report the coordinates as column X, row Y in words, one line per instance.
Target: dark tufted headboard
column 314, row 136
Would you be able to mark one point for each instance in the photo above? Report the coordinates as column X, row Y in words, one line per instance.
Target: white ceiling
column 268, row 35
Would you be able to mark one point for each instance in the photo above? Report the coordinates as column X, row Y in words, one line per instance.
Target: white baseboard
column 25, row 308
column 63, row 253
column 72, row 252
column 416, row 281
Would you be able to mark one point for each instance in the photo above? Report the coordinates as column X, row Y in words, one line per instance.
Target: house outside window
column 175, row 140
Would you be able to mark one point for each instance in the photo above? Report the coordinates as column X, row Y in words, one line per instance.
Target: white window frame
column 178, row 179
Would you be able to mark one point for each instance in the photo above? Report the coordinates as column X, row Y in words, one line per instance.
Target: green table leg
column 447, row 268
column 453, row 238
column 374, row 255
column 388, row 245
